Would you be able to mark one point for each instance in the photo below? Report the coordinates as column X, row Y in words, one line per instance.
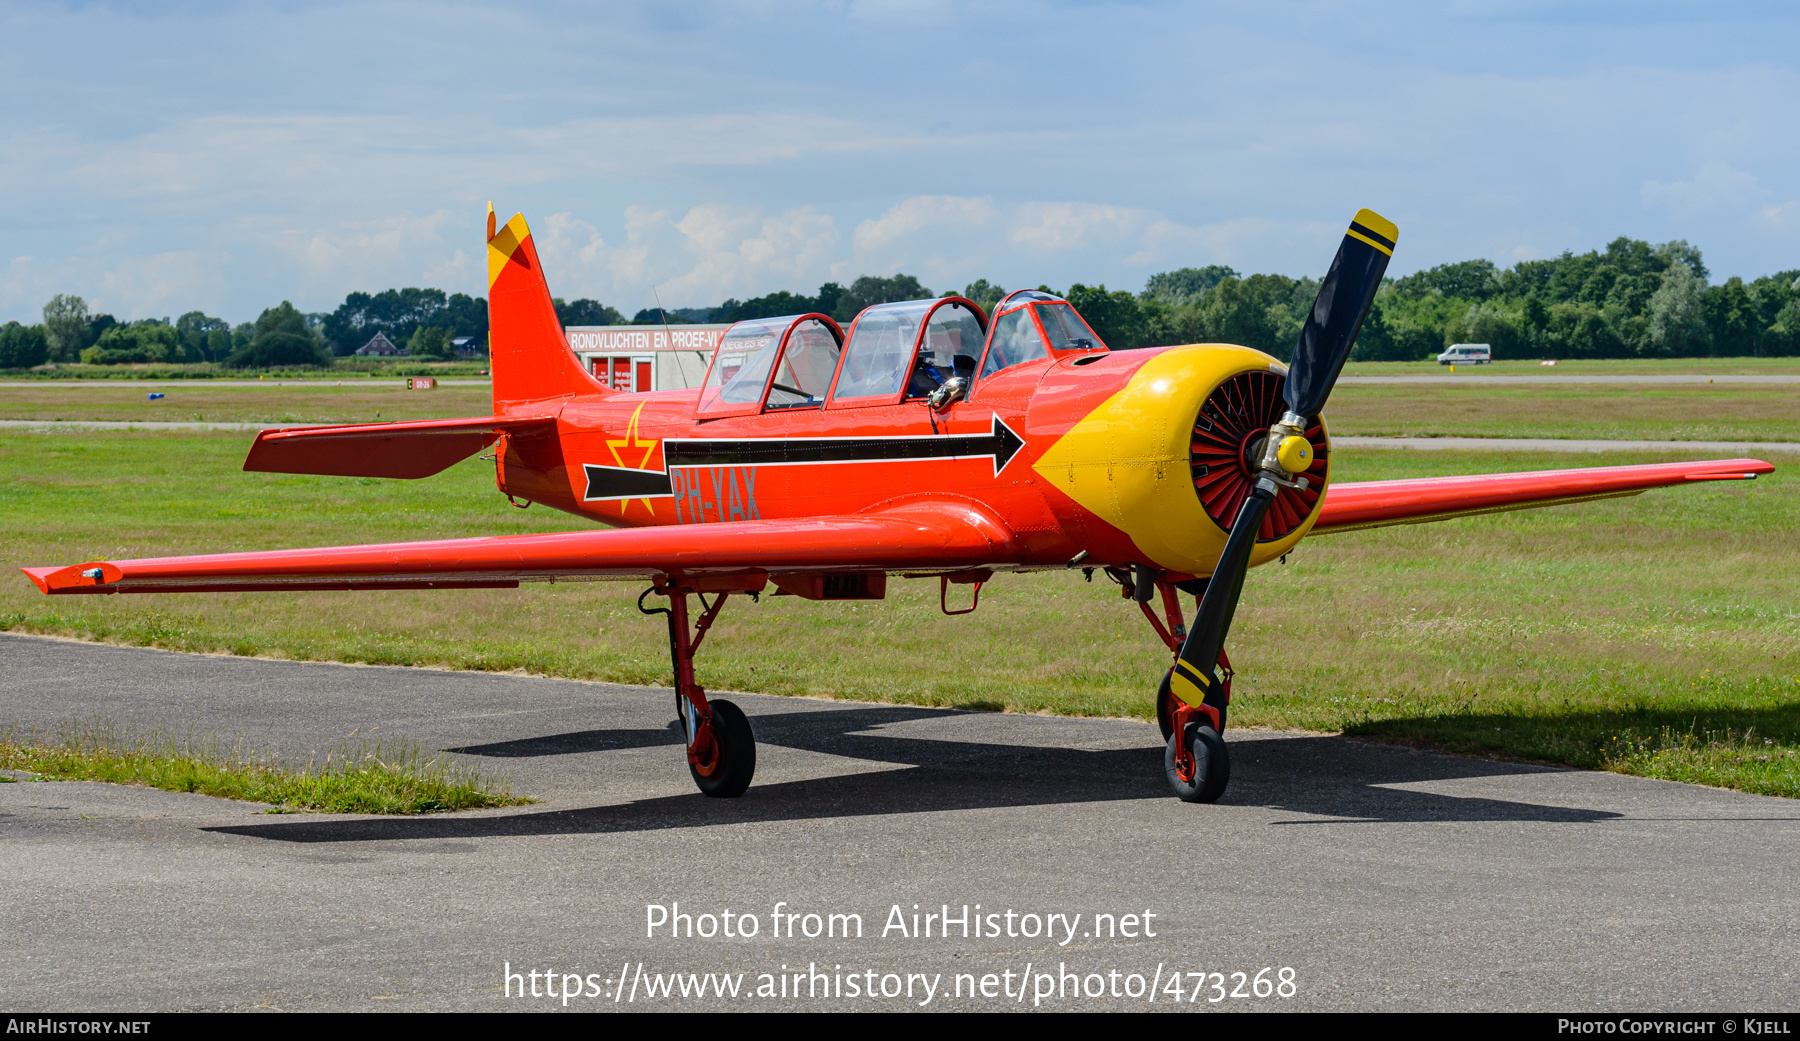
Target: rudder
column 528, row 353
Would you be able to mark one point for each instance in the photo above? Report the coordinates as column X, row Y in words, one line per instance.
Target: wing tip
column 1732, row 470
column 76, row 578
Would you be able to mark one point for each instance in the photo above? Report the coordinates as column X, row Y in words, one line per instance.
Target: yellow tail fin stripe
column 504, row 244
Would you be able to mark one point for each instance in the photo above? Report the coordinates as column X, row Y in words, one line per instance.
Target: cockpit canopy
column 880, row 361
column 1029, row 324
column 896, row 352
column 772, row 363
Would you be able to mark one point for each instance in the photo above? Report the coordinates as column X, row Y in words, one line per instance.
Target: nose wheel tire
column 1211, row 765
column 735, row 755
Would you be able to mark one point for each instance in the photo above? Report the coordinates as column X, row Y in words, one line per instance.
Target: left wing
column 933, row 535
column 1376, row 504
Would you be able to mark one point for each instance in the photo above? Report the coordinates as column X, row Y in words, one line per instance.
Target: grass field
column 1657, row 412
column 363, row 778
column 1580, row 367
column 1658, row 635
column 1696, row 412
column 342, row 369
column 287, row 403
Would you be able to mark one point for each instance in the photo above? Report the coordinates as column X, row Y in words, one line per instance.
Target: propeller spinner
column 1325, row 340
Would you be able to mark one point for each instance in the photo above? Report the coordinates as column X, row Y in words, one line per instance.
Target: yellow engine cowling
column 1131, row 461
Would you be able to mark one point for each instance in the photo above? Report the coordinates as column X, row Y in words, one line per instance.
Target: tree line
column 1633, row 299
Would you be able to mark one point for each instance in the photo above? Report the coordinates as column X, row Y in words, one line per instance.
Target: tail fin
column 530, row 357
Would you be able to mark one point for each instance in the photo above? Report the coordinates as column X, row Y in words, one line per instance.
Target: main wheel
column 736, row 753
column 1212, row 765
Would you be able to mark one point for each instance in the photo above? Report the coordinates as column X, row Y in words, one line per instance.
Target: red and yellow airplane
column 929, row 442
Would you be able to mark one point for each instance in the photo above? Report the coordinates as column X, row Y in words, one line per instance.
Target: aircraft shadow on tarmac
column 1330, row 780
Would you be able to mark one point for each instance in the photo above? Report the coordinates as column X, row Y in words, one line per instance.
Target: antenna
column 665, row 320
column 665, row 316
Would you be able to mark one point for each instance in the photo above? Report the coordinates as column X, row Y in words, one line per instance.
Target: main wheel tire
column 1212, row 766
column 737, row 753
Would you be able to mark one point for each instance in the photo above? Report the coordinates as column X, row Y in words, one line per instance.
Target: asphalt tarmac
column 1383, row 878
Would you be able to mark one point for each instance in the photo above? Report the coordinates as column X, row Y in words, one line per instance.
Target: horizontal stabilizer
column 942, row 535
column 1375, row 504
column 407, row 450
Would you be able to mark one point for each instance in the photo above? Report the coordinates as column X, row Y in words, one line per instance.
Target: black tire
column 1212, row 766
column 737, row 753
column 1165, row 704
column 1165, row 708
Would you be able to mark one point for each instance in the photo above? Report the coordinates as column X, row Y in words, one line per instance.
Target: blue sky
column 159, row 158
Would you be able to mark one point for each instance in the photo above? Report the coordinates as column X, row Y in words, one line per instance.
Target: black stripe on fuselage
column 623, row 482
column 614, row 482
column 1000, row 445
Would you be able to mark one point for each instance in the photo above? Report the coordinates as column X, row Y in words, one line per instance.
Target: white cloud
column 712, row 252
column 163, row 285
column 1782, row 218
column 1716, row 190
column 949, row 240
column 1075, row 225
column 1721, row 196
column 922, row 213
column 23, row 288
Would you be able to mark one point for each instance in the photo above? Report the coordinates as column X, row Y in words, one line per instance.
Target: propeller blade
column 1194, row 678
column 1325, row 340
column 1337, row 315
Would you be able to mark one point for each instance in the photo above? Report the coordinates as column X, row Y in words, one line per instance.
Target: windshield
column 1066, row 329
column 880, row 350
column 741, row 364
column 1015, row 340
column 806, row 368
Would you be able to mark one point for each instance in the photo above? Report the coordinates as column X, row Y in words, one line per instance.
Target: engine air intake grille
column 1232, row 420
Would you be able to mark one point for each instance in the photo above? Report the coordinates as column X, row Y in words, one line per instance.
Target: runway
column 1384, row 878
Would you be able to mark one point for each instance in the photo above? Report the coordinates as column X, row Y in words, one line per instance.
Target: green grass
column 1658, row 623
column 342, row 368
column 1657, row 412
column 366, row 778
column 279, row 402
column 1585, row 367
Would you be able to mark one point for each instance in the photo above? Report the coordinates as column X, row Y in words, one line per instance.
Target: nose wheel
column 1203, row 772
column 1196, row 763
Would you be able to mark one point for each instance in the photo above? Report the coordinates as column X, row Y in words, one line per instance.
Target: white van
column 1467, row 353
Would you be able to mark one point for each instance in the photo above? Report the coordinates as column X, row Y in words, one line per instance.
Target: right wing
column 929, row 535
column 1376, row 504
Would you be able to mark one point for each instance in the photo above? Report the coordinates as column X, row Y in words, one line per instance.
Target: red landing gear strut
column 721, row 749
column 1172, row 714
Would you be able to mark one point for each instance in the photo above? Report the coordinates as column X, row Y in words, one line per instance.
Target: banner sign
column 640, row 339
